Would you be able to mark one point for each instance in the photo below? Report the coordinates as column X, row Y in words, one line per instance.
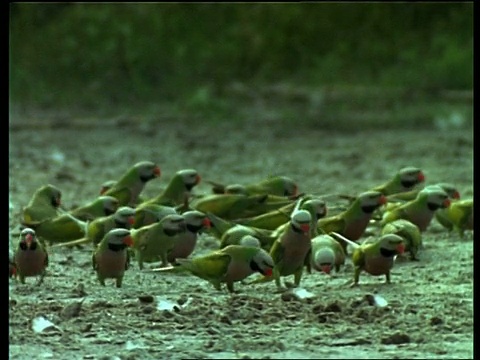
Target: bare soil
column 430, row 302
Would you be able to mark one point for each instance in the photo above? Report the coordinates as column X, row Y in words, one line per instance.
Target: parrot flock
column 266, row 230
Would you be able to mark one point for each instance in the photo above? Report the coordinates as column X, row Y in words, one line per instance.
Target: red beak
column 268, row 272
column 207, row 223
column 421, row 177
column 456, row 195
column 382, row 200
column 131, row 220
column 400, row 248
column 446, row 203
column 156, row 171
column 127, row 240
column 326, row 268
column 198, row 179
column 305, row 228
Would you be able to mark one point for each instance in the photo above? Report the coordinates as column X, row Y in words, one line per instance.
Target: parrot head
column 190, row 178
column 325, row 259
column 236, row 189
column 300, row 221
column 371, row 200
column 391, row 245
column 451, row 190
column 125, row 215
column 262, row 262
column 110, row 204
column 107, row 185
column 290, row 187
column 147, row 170
column 435, row 196
column 55, row 195
column 249, row 240
column 411, row 176
column 316, row 206
column 119, row 239
column 173, row 224
column 196, row 220
column 28, row 239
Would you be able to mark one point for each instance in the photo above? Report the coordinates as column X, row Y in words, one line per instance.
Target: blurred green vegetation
column 216, row 59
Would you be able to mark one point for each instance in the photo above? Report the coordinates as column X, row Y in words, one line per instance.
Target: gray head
column 301, row 220
column 173, row 224
column 236, row 189
column 125, row 215
column 290, row 187
column 450, row 189
column 107, row 185
column 196, row 220
column 110, row 204
column 324, row 259
column 147, row 170
column 369, row 201
column 28, row 239
column 190, row 177
column 262, row 262
column 391, row 245
column 316, row 207
column 410, row 176
column 54, row 195
column 118, row 238
column 435, row 197
column 249, row 240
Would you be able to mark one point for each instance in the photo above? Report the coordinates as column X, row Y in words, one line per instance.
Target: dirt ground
column 430, row 302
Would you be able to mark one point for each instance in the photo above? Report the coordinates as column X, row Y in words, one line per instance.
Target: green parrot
column 229, row 265
column 43, row 205
column 376, row 258
column 228, row 206
column 291, row 251
column 30, row 257
column 234, row 235
column 274, row 185
column 60, row 229
column 218, row 225
column 317, row 209
column 409, row 232
column 147, row 214
column 421, row 210
column 458, row 216
column 185, row 242
column 352, row 222
column 178, row 189
column 101, row 206
column 95, row 231
column 153, row 242
column 327, row 254
column 404, row 180
column 131, row 184
column 110, row 259
column 450, row 189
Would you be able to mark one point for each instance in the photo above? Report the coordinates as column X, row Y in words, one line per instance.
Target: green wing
column 210, row 267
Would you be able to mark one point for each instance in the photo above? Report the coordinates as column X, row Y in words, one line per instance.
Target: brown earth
column 430, row 302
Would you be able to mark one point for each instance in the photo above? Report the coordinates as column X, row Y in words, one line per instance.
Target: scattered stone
column 333, row 307
column 148, row 309
column 72, row 310
column 79, row 290
column 288, row 296
column 436, row 321
column 147, row 299
column 396, row 339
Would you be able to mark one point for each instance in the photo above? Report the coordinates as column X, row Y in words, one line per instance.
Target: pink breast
column 111, row 264
column 30, row 263
column 355, row 229
column 238, row 271
column 378, row 265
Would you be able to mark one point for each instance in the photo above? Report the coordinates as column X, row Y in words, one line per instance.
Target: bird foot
column 353, row 284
